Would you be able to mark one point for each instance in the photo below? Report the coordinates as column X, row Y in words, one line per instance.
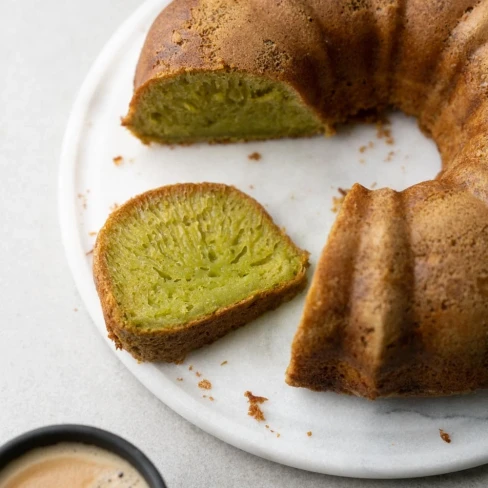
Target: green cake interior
column 218, row 106
column 189, row 254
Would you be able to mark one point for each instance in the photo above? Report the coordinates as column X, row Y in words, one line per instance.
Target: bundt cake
column 180, row 266
column 399, row 302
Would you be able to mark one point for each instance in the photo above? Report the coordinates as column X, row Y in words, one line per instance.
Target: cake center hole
column 390, row 153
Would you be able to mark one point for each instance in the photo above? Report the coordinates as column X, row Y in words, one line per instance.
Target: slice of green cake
column 218, row 107
column 180, row 266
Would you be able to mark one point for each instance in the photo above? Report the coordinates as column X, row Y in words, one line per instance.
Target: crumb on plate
column 445, row 436
column 254, row 402
column 205, row 385
column 255, row 156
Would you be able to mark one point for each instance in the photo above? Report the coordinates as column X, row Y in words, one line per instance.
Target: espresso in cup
column 73, row 465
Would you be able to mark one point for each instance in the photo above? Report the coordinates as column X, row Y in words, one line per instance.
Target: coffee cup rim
column 84, row 434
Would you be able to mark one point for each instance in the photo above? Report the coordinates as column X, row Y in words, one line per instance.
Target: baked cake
column 180, row 266
column 399, row 303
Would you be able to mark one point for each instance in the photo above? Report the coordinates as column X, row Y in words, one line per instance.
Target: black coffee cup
column 54, row 434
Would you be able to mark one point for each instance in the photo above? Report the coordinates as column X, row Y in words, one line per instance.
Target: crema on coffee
column 72, row 465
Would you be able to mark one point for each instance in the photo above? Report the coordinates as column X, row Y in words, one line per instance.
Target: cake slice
column 180, row 266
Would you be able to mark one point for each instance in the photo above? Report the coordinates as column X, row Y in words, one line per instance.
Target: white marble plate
column 296, row 181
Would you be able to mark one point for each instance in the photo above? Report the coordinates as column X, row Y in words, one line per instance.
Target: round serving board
column 297, row 181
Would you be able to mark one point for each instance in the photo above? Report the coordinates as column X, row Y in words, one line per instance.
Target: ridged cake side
column 398, row 305
column 470, row 33
column 358, row 327
column 463, row 118
column 424, row 28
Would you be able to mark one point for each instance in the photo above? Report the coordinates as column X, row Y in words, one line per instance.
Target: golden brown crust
column 173, row 344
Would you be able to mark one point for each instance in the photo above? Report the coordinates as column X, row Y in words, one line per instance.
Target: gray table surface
column 54, row 365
